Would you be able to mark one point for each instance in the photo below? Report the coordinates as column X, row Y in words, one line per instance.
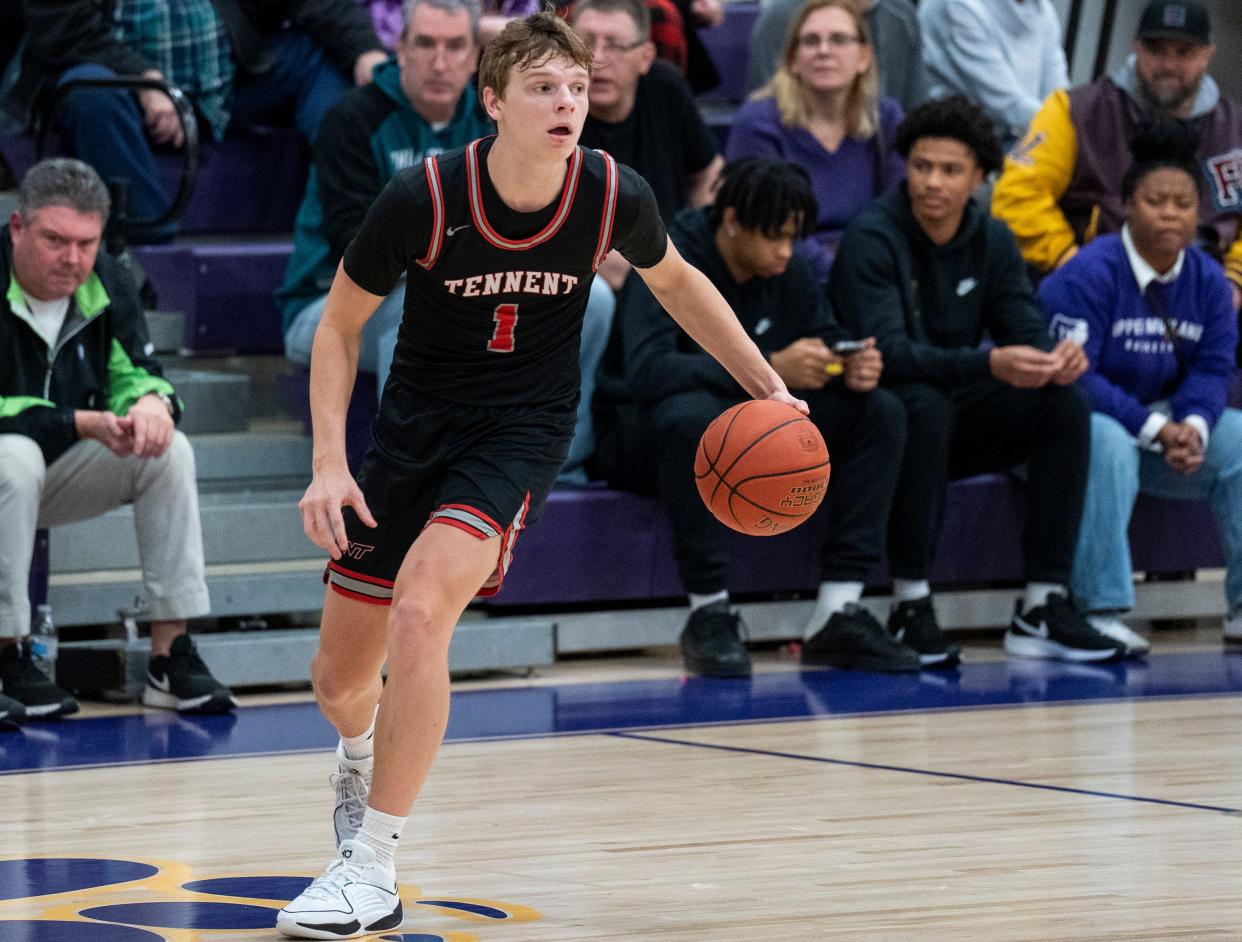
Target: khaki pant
column 84, row 482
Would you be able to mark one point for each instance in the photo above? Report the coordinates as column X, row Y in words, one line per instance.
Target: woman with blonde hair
column 822, row 111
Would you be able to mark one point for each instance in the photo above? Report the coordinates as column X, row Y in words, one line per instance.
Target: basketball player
column 499, row 242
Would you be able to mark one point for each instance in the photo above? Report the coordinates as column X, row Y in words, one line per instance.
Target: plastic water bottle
column 43, row 642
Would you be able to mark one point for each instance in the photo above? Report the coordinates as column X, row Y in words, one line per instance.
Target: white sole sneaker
column 354, row 896
column 1116, row 630
column 1020, row 645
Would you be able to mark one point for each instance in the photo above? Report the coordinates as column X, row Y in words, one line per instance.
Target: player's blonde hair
column 527, row 43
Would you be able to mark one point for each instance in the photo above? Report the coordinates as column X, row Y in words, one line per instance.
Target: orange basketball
column 762, row 467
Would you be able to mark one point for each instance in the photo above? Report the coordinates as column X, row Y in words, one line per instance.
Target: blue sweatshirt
column 1133, row 364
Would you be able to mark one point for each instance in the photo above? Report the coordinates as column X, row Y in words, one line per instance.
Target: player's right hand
column 331, row 489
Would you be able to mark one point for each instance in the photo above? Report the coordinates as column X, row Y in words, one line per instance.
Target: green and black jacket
column 102, row 359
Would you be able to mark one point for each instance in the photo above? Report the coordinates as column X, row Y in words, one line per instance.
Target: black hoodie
column 661, row 359
column 929, row 306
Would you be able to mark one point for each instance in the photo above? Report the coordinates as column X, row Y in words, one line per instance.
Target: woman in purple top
column 822, row 111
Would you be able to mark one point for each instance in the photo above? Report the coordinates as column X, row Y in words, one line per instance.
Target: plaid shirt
column 186, row 41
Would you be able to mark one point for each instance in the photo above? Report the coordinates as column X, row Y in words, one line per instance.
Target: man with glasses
column 418, row 105
column 1061, row 185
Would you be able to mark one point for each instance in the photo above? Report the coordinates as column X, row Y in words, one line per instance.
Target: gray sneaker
column 352, row 784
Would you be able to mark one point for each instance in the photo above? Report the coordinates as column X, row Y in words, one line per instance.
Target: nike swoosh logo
column 453, row 230
column 1039, row 631
column 165, row 684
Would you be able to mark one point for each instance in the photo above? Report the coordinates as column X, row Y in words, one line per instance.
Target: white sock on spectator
column 910, row 590
column 1037, row 594
column 833, row 597
column 382, row 832
column 361, row 746
column 698, row 601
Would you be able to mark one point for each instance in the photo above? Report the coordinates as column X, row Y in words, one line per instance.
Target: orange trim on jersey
column 485, row 228
column 612, row 183
column 437, row 213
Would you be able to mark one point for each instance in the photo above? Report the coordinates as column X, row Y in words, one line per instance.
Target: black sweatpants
column 865, row 434
column 990, row 426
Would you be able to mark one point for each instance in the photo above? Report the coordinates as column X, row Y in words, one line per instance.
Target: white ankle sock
column 697, row 601
column 833, row 597
column 382, row 832
column 910, row 590
column 1037, row 594
column 362, row 746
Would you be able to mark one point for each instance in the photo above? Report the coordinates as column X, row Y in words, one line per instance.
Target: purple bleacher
column 225, row 290
column 596, row 546
column 250, row 182
column 729, row 47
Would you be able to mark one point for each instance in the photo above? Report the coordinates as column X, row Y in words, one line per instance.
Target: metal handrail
column 185, row 114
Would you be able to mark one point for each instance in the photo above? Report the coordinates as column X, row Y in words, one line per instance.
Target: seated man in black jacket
column 87, row 424
column 744, row 244
column 929, row 274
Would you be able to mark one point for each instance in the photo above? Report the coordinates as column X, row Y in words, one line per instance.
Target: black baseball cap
column 1176, row 19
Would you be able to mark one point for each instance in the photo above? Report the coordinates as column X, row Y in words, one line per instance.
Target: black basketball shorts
column 486, row 471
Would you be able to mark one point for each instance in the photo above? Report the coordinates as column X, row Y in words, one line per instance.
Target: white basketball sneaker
column 1110, row 626
column 356, row 895
column 352, row 784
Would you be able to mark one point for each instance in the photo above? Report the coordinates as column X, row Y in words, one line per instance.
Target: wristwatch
column 168, row 403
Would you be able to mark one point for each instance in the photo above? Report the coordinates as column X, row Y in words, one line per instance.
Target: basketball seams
column 745, row 451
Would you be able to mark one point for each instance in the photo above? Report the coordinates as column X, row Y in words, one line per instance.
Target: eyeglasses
column 834, row 40
column 612, row 47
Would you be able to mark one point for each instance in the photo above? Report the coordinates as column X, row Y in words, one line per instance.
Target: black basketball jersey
column 494, row 298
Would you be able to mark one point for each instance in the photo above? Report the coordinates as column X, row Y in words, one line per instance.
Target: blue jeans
column 1102, row 578
column 379, row 336
column 104, row 126
column 379, row 340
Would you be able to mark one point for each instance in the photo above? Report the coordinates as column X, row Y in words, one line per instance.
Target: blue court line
column 879, row 767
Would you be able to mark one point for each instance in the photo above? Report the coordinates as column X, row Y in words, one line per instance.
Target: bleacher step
column 166, row 328
column 252, row 460
column 214, row 402
column 283, row 656
column 238, row 527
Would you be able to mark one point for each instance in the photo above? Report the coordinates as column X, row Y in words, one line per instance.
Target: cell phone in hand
column 844, row 348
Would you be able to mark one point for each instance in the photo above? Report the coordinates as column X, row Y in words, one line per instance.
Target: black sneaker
column 711, row 643
column 914, row 625
column 12, row 713
column 182, row 682
column 1058, row 631
column 23, row 680
column 853, row 640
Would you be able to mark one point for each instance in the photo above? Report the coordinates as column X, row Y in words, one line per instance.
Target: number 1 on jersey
column 505, row 316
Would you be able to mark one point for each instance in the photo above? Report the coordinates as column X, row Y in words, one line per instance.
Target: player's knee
column 333, row 683
column 417, row 630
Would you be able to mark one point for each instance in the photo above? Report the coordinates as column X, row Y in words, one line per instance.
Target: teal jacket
column 102, row 359
column 365, row 139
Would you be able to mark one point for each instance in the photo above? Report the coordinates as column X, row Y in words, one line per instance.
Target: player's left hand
column 332, row 488
column 152, row 426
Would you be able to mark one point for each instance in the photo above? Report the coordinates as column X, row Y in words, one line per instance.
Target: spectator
column 1005, row 55
column 234, row 59
column 418, row 105
column 743, row 243
column 87, row 423
column 929, row 274
column 642, row 113
column 1155, row 317
column 894, row 29
column 822, row 111
column 1061, row 186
